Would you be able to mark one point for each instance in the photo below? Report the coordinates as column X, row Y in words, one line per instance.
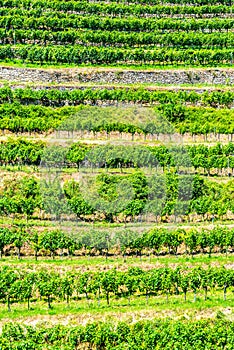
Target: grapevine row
column 95, row 55
column 20, row 285
column 23, row 151
column 93, row 8
column 57, row 97
column 193, row 120
column 162, row 196
column 20, row 118
column 63, row 21
column 173, row 2
column 104, row 38
column 36, row 3
column 155, row 241
column 141, row 335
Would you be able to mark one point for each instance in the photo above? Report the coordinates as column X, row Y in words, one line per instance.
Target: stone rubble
column 90, row 75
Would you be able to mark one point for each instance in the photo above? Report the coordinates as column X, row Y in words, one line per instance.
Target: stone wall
column 85, row 75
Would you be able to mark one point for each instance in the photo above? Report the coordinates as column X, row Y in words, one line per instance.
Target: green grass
column 155, row 86
column 100, row 262
column 19, row 64
column 159, row 306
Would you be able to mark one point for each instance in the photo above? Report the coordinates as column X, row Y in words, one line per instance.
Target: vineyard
column 117, row 165
column 71, row 32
